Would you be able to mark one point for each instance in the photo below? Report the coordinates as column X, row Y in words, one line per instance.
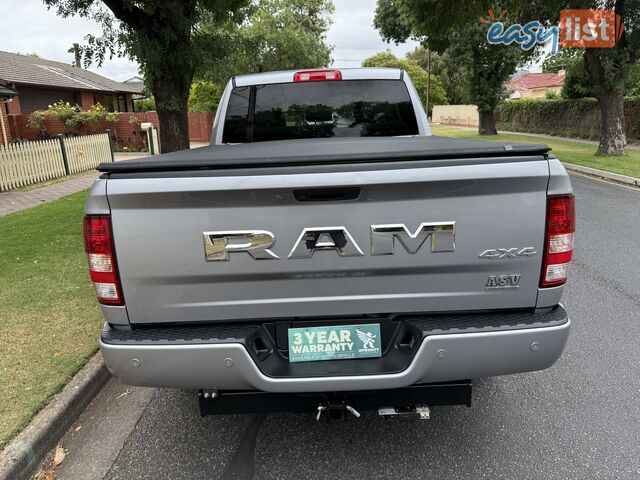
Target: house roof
column 29, row 70
column 6, row 92
column 530, row 81
column 138, row 83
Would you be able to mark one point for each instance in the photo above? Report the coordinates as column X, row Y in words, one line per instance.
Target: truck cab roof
column 285, row 76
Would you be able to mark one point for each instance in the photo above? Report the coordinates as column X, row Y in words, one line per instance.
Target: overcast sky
column 28, row 27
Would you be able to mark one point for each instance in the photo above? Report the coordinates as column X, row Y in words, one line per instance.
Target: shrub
column 36, row 119
column 564, row 117
column 145, row 104
column 64, row 111
column 71, row 115
column 204, row 97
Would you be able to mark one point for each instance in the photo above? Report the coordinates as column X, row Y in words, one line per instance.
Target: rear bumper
column 470, row 349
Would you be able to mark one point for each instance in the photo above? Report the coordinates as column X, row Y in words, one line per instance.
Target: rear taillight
column 317, row 76
column 98, row 241
column 558, row 246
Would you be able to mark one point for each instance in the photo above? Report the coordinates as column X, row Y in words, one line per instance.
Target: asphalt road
column 577, row 420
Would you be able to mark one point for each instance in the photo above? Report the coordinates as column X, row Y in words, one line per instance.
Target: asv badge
column 503, row 282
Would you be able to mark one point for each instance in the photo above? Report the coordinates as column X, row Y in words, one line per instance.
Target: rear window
column 348, row 108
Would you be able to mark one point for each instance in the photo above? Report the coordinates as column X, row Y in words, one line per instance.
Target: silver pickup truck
column 327, row 254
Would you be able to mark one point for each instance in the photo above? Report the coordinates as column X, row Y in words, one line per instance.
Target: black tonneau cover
column 324, row 151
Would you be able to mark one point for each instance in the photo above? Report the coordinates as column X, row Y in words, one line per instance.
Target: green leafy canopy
column 277, row 35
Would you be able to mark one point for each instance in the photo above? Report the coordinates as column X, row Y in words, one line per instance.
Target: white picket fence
column 27, row 163
column 87, row 152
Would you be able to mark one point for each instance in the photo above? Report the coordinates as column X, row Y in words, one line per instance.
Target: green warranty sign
column 341, row 342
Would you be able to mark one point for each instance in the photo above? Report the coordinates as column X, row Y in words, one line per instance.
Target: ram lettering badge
column 384, row 240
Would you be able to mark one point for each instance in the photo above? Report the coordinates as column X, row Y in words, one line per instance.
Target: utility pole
column 428, row 77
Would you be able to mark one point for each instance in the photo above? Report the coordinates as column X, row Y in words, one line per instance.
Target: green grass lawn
column 49, row 319
column 570, row 151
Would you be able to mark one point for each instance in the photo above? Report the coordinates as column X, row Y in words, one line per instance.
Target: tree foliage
column 165, row 38
column 452, row 75
column 576, row 80
column 608, row 69
column 437, row 95
column 204, row 96
column 488, row 66
column 147, row 104
column 562, row 60
column 462, row 36
column 286, row 34
column 276, row 35
column 632, row 84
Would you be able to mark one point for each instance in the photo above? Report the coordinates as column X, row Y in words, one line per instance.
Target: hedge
column 579, row 118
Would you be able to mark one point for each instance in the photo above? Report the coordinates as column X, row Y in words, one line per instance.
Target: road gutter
column 612, row 177
column 20, row 459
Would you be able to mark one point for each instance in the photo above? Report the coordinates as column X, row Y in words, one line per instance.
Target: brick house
column 33, row 83
column 39, row 83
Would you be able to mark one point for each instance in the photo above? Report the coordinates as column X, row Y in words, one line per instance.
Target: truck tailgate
column 159, row 220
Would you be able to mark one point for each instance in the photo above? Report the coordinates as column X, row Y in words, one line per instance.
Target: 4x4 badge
column 515, row 252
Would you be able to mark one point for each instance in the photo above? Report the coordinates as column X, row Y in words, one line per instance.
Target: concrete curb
column 614, row 177
column 20, row 459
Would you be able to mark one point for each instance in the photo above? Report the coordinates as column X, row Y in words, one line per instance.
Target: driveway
column 580, row 419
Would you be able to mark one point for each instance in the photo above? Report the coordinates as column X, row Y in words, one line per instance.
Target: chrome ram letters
column 384, row 238
column 218, row 245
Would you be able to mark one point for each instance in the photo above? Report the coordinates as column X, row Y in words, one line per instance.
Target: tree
column 288, row 34
column 437, row 95
column 632, row 85
column 146, row 104
column 204, row 96
column 563, row 60
column 488, row 66
column 452, row 75
column 576, row 80
column 277, row 35
column 608, row 69
column 165, row 38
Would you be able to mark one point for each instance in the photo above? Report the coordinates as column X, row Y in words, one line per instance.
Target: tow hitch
column 336, row 411
column 408, row 402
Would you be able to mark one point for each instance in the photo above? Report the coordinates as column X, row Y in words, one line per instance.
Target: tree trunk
column 613, row 139
column 487, row 124
column 172, row 95
column 608, row 87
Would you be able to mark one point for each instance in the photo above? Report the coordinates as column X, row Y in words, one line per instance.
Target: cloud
column 28, row 27
column 353, row 34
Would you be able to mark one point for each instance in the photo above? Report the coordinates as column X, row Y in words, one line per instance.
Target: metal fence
column 27, row 163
